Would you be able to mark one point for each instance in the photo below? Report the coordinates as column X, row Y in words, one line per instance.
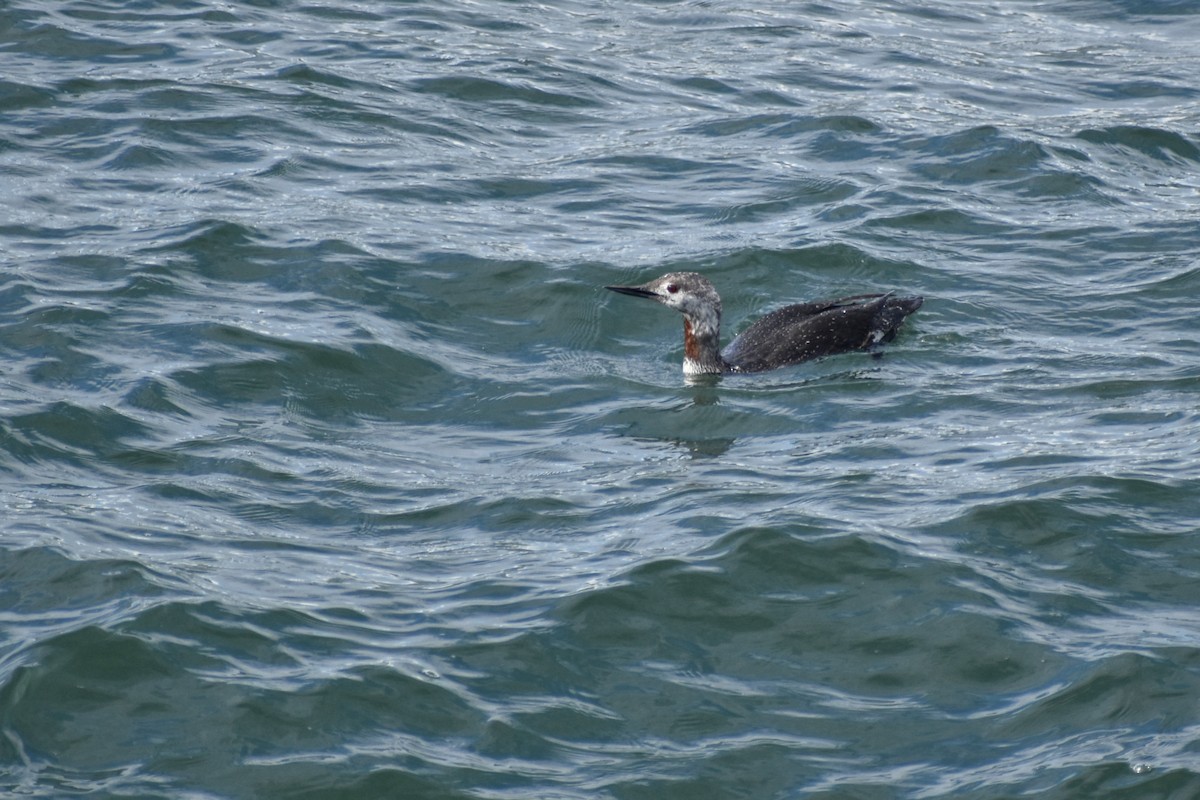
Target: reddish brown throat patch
column 691, row 348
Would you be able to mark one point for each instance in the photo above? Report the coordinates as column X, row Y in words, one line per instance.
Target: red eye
column 672, row 288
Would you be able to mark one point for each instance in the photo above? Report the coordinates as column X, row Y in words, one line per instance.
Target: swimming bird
column 789, row 335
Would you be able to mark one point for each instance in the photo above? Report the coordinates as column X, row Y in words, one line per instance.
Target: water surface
column 329, row 469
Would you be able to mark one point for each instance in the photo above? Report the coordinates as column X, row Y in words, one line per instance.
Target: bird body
column 789, row 335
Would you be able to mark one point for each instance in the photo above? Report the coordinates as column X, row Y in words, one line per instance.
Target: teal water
column 328, row 469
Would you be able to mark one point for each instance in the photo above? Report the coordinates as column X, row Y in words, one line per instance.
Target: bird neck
column 701, row 344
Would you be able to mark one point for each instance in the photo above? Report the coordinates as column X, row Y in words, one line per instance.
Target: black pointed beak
column 635, row 291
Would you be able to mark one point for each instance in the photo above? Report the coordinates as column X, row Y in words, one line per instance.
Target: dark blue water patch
column 849, row 144
column 217, row 241
column 708, row 429
column 785, row 126
column 650, row 165
column 50, row 337
column 93, row 673
column 848, row 123
column 1152, row 246
column 945, row 222
column 140, row 157
column 705, row 85
column 17, row 295
column 1091, row 536
column 783, row 196
column 503, row 189
column 1128, row 10
column 1157, row 143
column 39, row 239
column 223, row 139
column 43, row 580
column 439, row 513
column 50, row 41
column 1053, row 525
column 945, row 16
column 713, row 599
column 193, row 471
column 343, row 14
column 16, row 97
column 154, row 395
column 821, row 82
column 68, row 433
column 1113, row 695
column 978, row 155
column 1116, row 389
column 308, row 75
column 688, row 634
column 261, row 381
column 157, row 668
column 377, row 709
column 145, row 13
column 216, row 637
column 139, row 92
column 78, row 139
column 105, row 126
column 376, row 382
column 67, row 364
column 486, row 90
column 357, row 780
column 1059, row 185
column 214, row 258
column 1122, row 780
column 1169, row 278
column 1143, row 88
column 226, row 255
column 238, row 34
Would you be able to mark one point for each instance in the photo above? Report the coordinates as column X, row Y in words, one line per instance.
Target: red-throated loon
column 787, row 336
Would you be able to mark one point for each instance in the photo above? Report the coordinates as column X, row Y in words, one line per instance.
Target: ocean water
column 328, row 469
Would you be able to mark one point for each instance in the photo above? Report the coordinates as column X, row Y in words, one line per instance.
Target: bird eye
column 672, row 288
